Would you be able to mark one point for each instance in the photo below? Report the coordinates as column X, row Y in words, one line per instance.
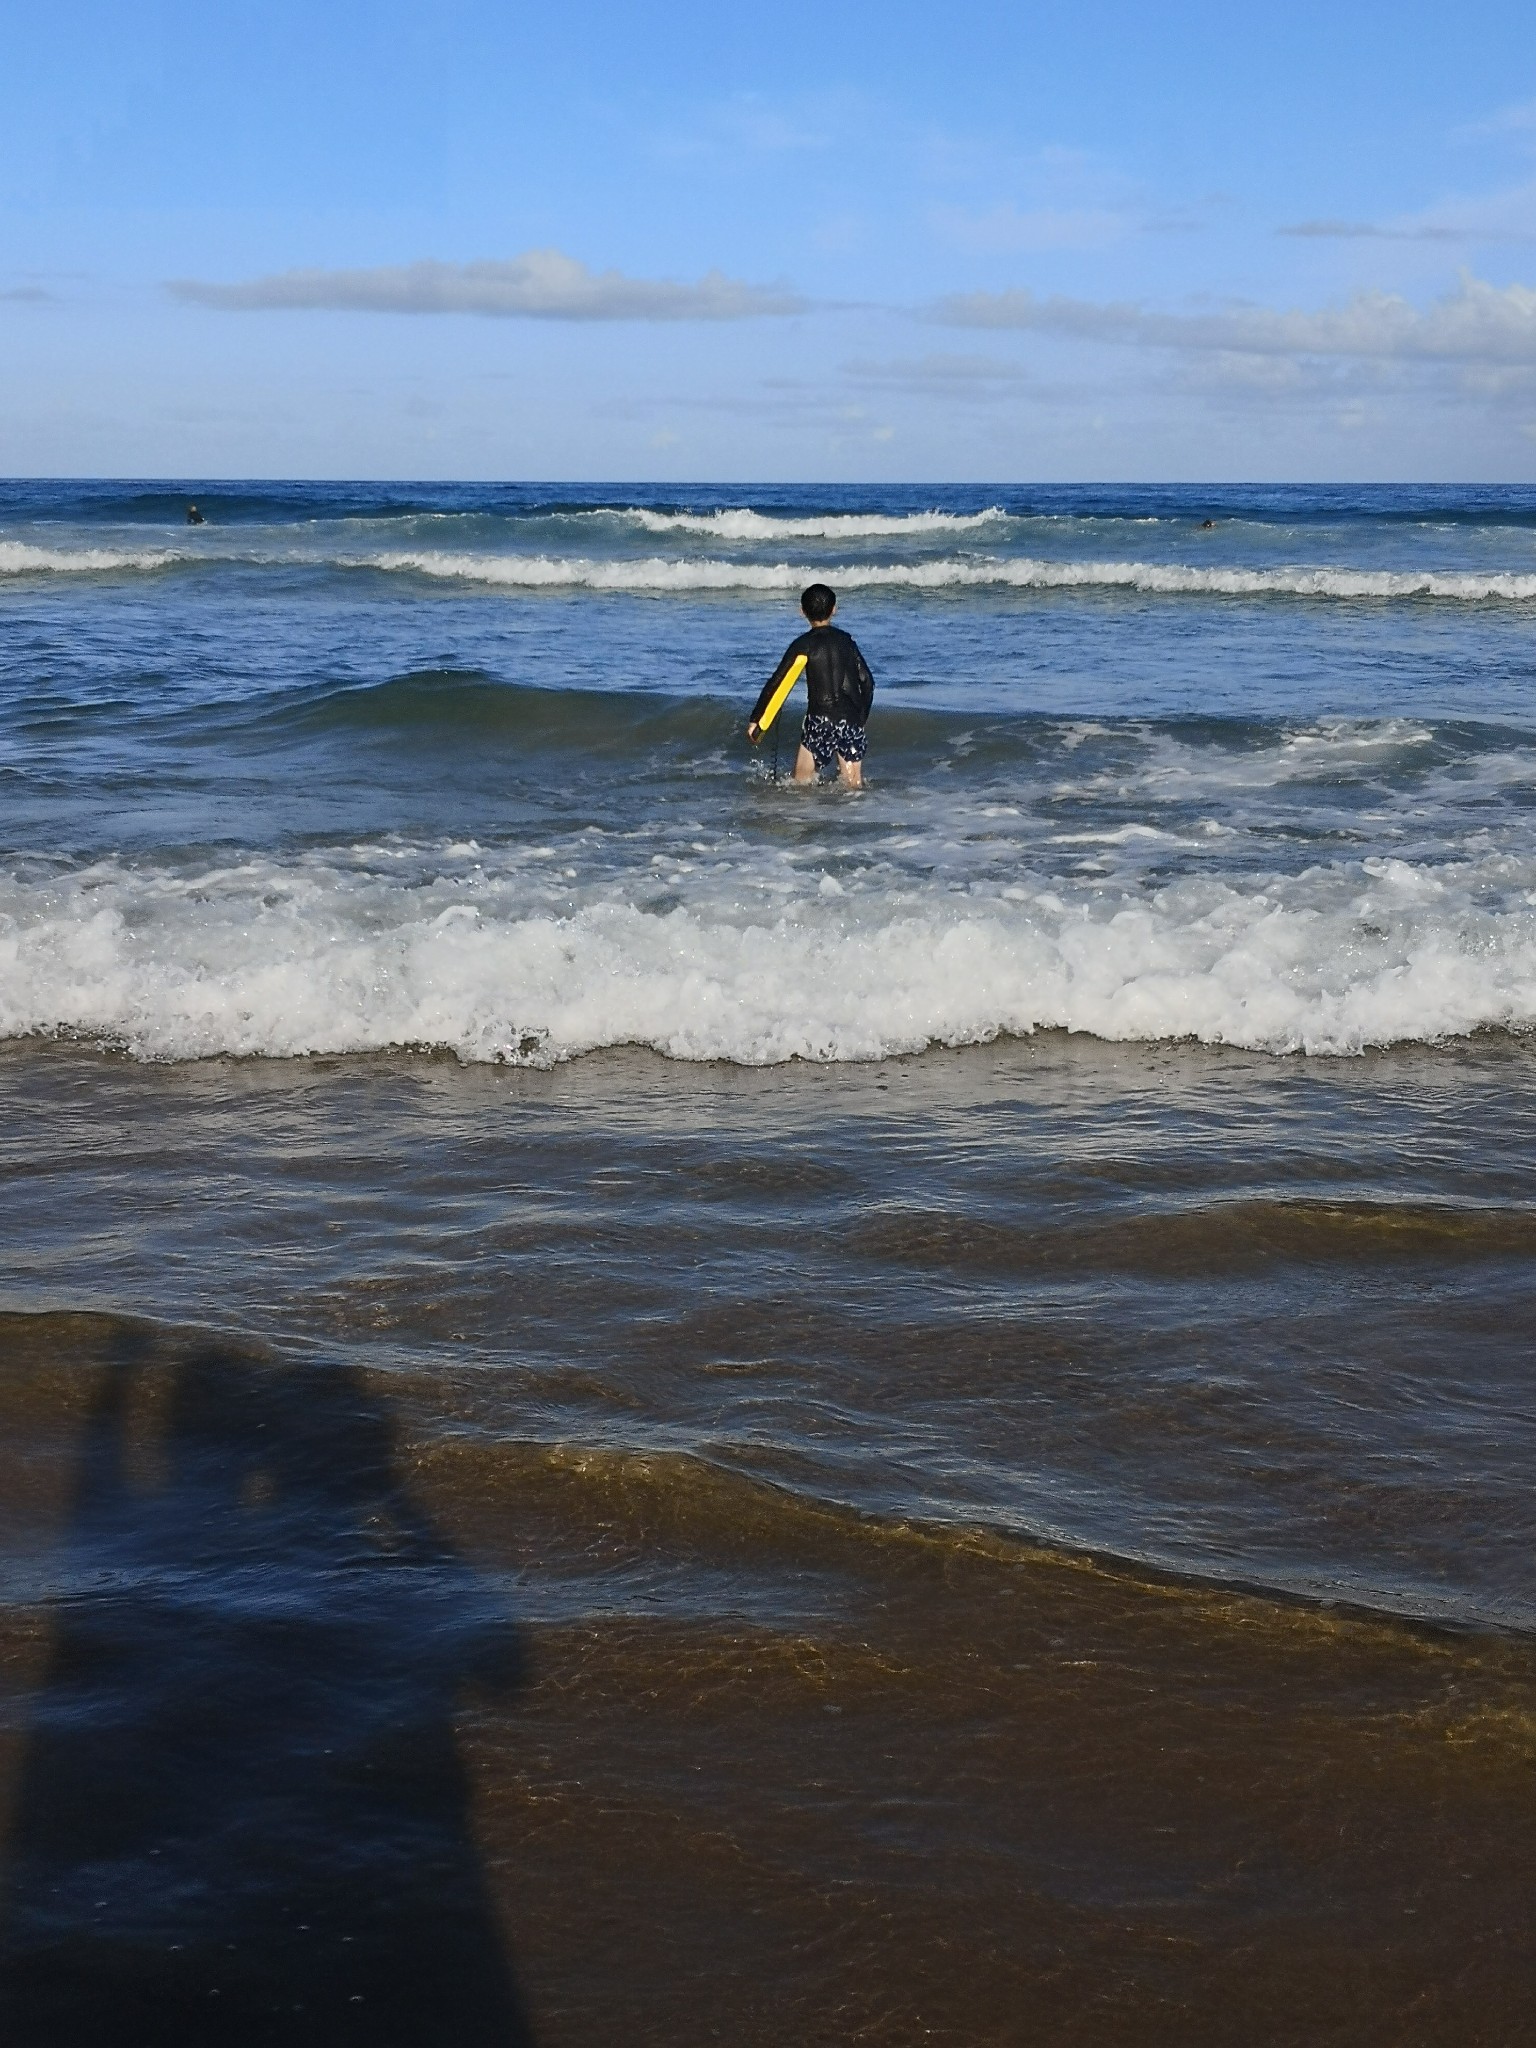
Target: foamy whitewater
column 463, row 767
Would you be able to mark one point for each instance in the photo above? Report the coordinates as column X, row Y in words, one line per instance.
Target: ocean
column 641, row 1404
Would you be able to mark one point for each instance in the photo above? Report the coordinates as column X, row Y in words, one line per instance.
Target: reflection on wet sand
column 788, row 1772
column 937, row 1786
column 238, row 1813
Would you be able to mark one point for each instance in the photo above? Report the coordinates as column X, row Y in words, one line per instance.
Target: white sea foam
column 661, row 575
column 346, row 953
column 1165, row 768
column 22, row 558
column 740, row 524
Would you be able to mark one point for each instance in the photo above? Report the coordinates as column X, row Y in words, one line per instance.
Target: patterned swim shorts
column 826, row 738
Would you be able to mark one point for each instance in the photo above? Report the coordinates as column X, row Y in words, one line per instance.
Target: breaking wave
column 660, row 575
column 507, row 956
column 741, row 524
column 656, row 574
column 21, row 558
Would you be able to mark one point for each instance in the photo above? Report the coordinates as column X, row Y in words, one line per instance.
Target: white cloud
column 544, row 284
column 1478, row 322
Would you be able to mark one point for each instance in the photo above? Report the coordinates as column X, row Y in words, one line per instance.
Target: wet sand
column 1025, row 1544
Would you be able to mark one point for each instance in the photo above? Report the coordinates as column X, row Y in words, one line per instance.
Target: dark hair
column 818, row 603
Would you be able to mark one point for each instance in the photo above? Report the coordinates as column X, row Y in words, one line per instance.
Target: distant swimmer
column 839, row 690
column 1206, row 525
column 194, row 517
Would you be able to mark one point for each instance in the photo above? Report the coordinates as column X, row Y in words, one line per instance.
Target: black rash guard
column 838, row 683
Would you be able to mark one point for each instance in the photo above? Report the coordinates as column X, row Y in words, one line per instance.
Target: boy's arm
column 791, row 652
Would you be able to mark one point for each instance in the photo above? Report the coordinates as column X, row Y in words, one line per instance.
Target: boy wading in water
column 838, row 692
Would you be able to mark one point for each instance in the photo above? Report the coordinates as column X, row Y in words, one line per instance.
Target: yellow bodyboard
column 776, row 701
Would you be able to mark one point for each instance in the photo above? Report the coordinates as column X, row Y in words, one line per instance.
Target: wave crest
column 500, row 958
column 658, row 575
column 21, row 558
column 739, row 523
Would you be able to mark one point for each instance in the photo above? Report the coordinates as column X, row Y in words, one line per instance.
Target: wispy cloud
column 970, row 379
column 1517, row 120
column 1365, row 230
column 1478, row 322
column 749, row 124
column 1506, row 214
column 27, row 295
column 1049, row 198
column 787, row 403
column 939, row 369
column 1036, row 227
column 544, row 284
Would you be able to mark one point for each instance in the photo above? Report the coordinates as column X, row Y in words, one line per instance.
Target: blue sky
column 840, row 241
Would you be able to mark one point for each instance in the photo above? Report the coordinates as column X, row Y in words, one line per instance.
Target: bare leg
column 805, row 765
column 850, row 773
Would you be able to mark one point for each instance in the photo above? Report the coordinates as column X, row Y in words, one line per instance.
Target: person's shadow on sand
column 243, row 1818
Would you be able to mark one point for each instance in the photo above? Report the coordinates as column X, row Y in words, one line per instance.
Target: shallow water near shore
column 1028, row 1538
column 637, row 1404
